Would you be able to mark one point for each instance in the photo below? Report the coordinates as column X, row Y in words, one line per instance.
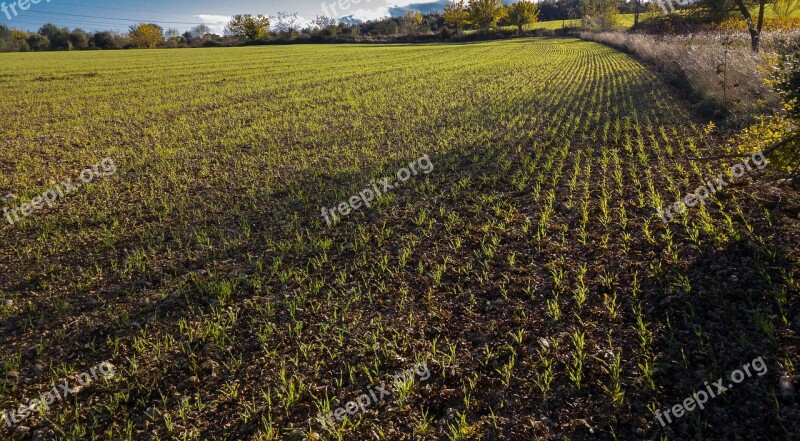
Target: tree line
column 141, row 36
column 482, row 15
column 461, row 19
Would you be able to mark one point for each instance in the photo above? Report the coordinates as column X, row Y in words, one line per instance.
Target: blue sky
column 95, row 15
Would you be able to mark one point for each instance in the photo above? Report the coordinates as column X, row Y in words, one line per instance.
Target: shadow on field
column 720, row 314
column 186, row 288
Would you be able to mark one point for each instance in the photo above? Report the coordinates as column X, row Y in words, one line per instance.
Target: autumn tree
column 146, row 35
column 249, row 26
column 411, row 22
column 717, row 11
column 456, row 15
column 601, row 14
column 523, row 12
column 486, row 13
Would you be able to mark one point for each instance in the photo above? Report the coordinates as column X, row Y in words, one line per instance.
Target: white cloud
column 367, row 9
column 293, row 21
column 371, row 14
column 217, row 23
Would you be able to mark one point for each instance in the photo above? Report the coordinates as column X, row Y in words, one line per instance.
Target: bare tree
column 323, row 22
column 288, row 23
column 200, row 31
column 410, row 23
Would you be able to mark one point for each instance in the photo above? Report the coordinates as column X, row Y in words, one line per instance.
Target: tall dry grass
column 723, row 76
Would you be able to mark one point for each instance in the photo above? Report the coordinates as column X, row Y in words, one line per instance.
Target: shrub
column 786, row 80
column 782, row 24
column 777, row 135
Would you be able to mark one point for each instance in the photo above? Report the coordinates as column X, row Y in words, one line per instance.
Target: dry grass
column 724, row 76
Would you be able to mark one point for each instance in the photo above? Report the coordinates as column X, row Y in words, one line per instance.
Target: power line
column 112, row 18
column 47, row 19
column 64, row 21
column 33, row 26
column 123, row 9
column 82, row 25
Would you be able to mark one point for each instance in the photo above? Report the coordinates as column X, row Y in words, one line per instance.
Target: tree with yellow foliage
column 785, row 8
column 146, row 35
column 249, row 26
column 411, row 22
column 456, row 15
column 777, row 136
column 523, row 12
column 486, row 13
